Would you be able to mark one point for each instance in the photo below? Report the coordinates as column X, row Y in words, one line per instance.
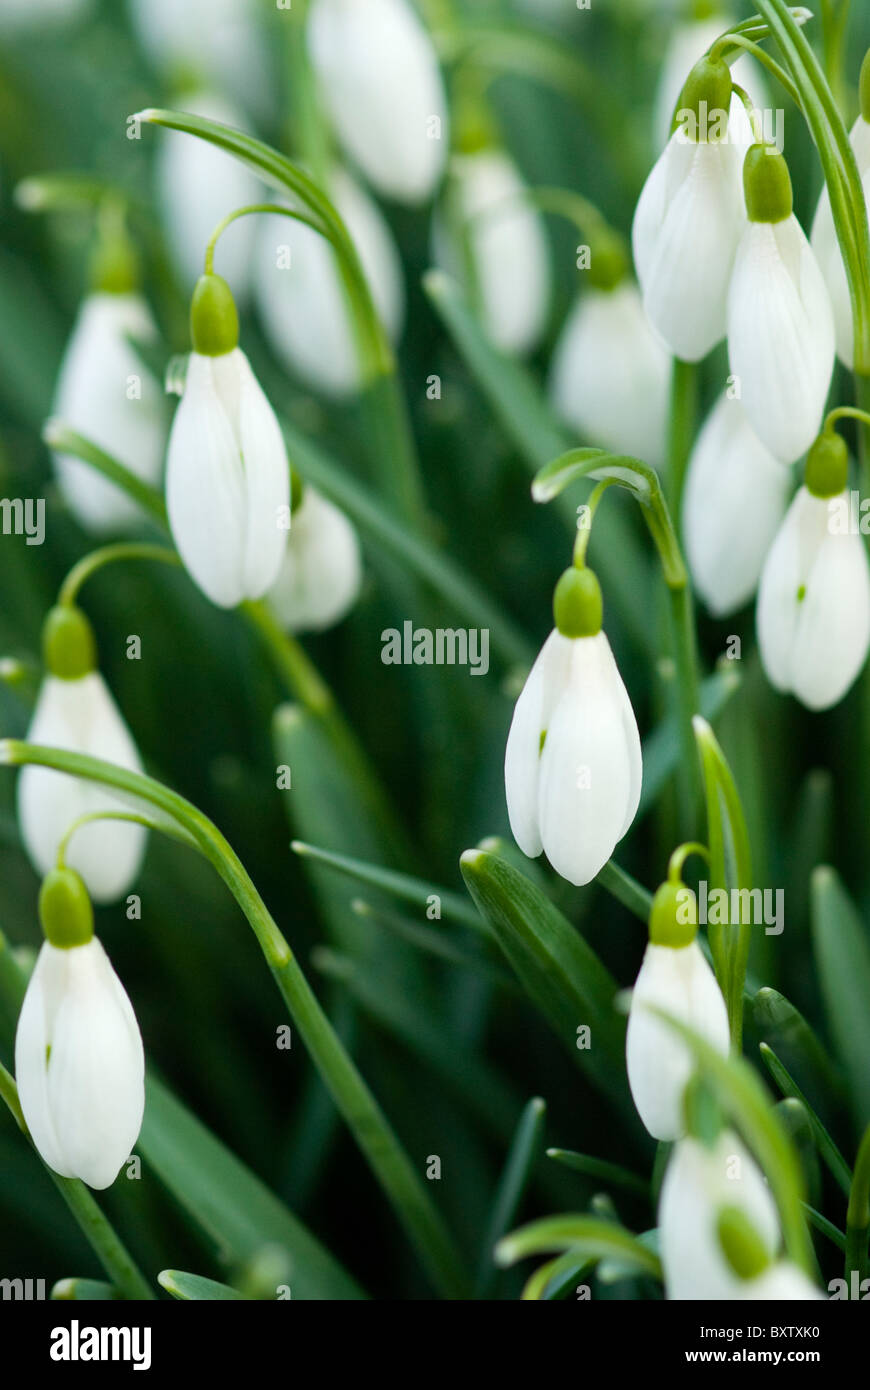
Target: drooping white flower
column 573, row 761
column 827, row 248
column 699, row 1181
column 505, row 242
column 687, row 43
column 675, row 979
column 227, row 474
column 813, row 615
column 381, row 86
column 300, row 297
column 687, row 225
column 105, row 392
column 77, row 713
column 215, row 41
column 321, row 574
column 780, row 323
column 735, row 498
column 197, row 185
column 79, row 1062
column 610, row 376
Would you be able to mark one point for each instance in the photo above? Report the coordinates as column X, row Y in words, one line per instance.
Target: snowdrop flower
column 699, row 1181
column 105, row 392
column 573, row 760
column 321, row 575
column 486, row 221
column 758, row 1279
column 227, row 475
column 780, row 324
column 75, row 711
column 381, row 86
column 824, row 236
column 687, row 44
column 813, row 613
column 676, row 979
column 610, row 376
column 197, row 185
column 215, row 40
column 79, row 1062
column 688, row 220
column 735, row 498
column 300, row 296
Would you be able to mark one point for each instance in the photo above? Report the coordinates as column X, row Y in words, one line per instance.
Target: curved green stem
column 368, row 1124
column 232, row 217
column 581, row 544
column 681, row 854
column 167, row 828
column 110, row 555
column 858, row 1213
column 681, row 432
column 721, row 49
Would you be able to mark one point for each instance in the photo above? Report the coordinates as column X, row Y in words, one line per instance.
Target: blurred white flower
column 300, row 297
column 780, row 324
column 610, row 376
column 79, row 1064
column 506, row 243
column 321, row 574
column 735, row 498
column 197, row 185
column 813, row 615
column 105, row 392
column 380, row 83
column 80, row 716
column 678, row 980
column 214, row 41
column 227, row 480
column 573, row 761
column 699, row 1181
column 779, row 1283
column 827, row 248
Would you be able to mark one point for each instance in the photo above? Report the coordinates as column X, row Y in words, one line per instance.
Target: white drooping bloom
column 227, row 480
column 827, row 248
column 687, row 43
column 106, row 393
column 610, row 377
column 197, row 185
column 380, row 83
column 781, row 1282
column 678, row 981
column 216, row 41
column 697, row 1184
column 300, row 297
column 506, row 243
column 573, row 760
column 735, row 498
column 79, row 1064
column 80, row 716
column 686, row 228
column 321, row 575
column 780, row 335
column 813, row 615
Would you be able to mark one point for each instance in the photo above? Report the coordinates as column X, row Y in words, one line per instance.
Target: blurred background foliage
column 452, row 1056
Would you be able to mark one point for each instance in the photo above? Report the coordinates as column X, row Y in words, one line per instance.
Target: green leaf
column 193, row 1288
column 84, row 1291
column 584, row 1236
column 561, row 974
column 824, row 1143
column 612, row 1174
column 662, row 748
column 787, row 1032
column 522, row 1157
column 842, row 952
column 228, row 1202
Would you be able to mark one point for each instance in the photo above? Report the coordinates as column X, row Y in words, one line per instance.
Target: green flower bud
column 706, row 94
column 864, row 87
column 65, row 910
column 214, row 323
column 577, row 604
column 69, row 648
column 673, row 918
column 115, row 265
column 827, row 469
column 741, row 1244
column 608, row 261
column 767, row 185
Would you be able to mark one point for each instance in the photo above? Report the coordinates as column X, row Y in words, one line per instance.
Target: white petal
column 96, row 1090
column 32, row 1040
column 380, row 83
column 684, row 236
column 610, row 376
column 205, row 488
column 780, row 336
column 588, row 768
column 105, row 392
column 780, row 1283
column 697, row 1184
column 82, row 717
column 321, row 573
column 532, row 715
column 832, row 633
column 736, row 496
column 681, row 983
column 221, row 40
column 267, row 485
column 826, row 249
